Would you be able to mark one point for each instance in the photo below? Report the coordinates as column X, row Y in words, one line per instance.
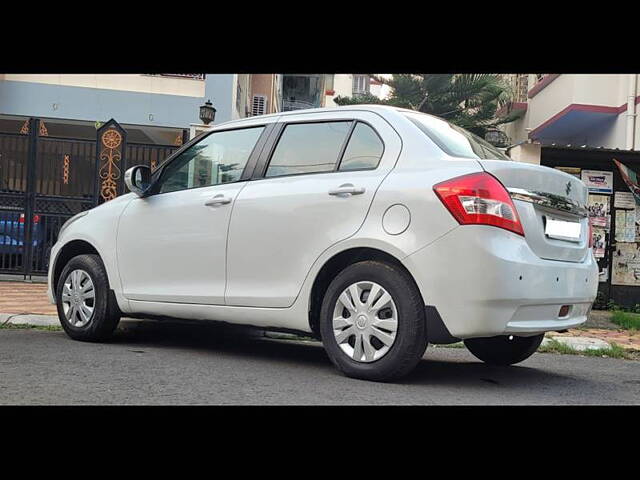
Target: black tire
column 502, row 351
column 106, row 314
column 411, row 338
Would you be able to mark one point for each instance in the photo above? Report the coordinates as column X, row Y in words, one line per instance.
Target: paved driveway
column 154, row 363
column 21, row 297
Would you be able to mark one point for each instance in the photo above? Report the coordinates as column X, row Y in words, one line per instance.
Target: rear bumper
column 485, row 281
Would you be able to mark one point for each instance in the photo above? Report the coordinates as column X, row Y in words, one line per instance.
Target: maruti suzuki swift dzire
column 376, row 229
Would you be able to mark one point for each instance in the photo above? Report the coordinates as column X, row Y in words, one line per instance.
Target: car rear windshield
column 454, row 140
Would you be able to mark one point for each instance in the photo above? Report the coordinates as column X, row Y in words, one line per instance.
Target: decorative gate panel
column 145, row 154
column 64, row 186
column 110, row 147
column 14, row 150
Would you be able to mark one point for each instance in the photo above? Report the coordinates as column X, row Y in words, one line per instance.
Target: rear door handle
column 218, row 200
column 347, row 189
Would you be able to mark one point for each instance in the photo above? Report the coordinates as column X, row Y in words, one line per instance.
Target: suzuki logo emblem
column 568, row 189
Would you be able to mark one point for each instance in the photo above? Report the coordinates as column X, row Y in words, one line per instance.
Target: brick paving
column 22, row 297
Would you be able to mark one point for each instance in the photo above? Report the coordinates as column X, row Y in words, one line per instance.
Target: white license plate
column 563, row 230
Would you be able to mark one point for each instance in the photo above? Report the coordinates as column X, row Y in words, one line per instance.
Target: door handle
column 218, row 200
column 347, row 189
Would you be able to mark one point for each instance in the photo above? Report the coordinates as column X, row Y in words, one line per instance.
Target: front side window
column 364, row 149
column 308, row 148
column 218, row 158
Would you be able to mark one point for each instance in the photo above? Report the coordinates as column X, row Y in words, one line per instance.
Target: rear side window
column 364, row 150
column 454, row 140
column 308, row 148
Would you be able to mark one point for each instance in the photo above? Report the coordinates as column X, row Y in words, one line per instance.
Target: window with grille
column 360, row 84
column 258, row 105
column 521, row 87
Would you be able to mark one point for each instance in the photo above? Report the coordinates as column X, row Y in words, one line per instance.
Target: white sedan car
column 376, row 229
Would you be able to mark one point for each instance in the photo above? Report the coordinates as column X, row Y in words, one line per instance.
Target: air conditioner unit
column 258, row 105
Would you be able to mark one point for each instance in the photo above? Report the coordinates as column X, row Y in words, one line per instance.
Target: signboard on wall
column 599, row 211
column 626, row 264
column 598, row 181
column 599, row 236
column 624, row 200
column 625, row 226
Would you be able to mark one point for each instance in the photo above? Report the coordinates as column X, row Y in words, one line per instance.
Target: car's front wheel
column 504, row 349
column 85, row 309
column 372, row 322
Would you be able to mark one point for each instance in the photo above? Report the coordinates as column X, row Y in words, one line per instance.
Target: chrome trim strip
column 549, row 200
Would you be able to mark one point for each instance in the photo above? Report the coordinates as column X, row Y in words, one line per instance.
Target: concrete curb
column 580, row 344
column 29, row 319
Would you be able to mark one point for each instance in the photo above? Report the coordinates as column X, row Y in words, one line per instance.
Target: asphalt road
column 154, row 363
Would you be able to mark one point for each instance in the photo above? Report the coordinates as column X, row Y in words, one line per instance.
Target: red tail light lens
column 479, row 199
column 590, row 235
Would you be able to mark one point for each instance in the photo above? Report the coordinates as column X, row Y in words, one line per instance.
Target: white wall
column 133, row 82
column 526, row 153
column 343, row 87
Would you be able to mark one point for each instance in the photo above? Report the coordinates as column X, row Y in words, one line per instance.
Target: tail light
column 590, row 234
column 479, row 199
column 36, row 218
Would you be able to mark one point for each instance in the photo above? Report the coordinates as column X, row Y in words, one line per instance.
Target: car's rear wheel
column 85, row 309
column 504, row 349
column 372, row 322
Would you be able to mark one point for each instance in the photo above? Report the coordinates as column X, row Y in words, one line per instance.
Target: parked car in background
column 376, row 229
column 12, row 234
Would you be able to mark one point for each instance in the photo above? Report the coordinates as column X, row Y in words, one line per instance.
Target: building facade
column 319, row 90
column 598, row 111
column 153, row 109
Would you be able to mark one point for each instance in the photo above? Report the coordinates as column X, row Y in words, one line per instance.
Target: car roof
column 380, row 109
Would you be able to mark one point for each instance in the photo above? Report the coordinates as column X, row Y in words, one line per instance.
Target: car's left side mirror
column 138, row 180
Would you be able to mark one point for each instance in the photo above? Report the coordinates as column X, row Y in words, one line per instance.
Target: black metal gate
column 45, row 180
column 14, row 151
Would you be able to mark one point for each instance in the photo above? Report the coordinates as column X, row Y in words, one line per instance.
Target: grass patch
column 614, row 351
column 22, row 326
column 554, row 346
column 626, row 320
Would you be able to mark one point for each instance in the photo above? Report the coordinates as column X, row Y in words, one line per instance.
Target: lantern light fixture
column 207, row 112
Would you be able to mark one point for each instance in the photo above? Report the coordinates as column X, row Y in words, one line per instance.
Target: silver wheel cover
column 78, row 298
column 365, row 321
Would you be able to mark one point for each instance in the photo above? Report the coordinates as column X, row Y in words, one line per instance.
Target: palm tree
column 468, row 100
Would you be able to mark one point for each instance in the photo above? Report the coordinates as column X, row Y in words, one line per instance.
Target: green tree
column 468, row 100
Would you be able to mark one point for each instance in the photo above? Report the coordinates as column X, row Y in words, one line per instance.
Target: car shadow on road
column 435, row 371
column 440, row 366
column 221, row 338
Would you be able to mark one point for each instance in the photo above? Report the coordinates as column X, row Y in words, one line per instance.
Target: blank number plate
column 563, row 230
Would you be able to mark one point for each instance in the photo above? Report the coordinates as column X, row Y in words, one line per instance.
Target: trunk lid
column 546, row 198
